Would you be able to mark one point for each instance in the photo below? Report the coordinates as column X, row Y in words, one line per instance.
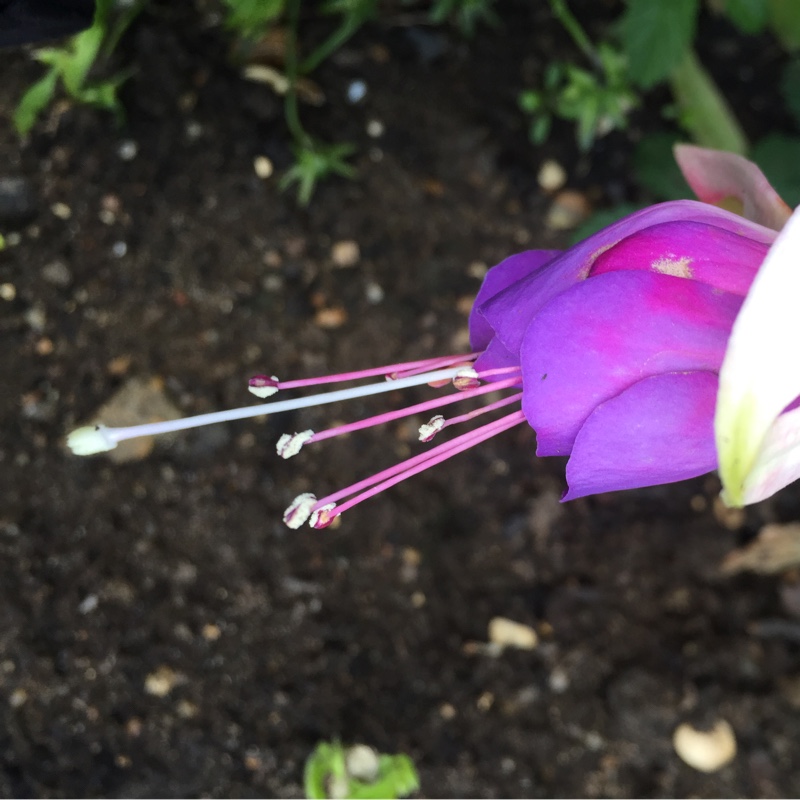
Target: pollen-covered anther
column 431, row 428
column 323, row 517
column 466, row 379
column 263, row 385
column 290, row 444
column 299, row 510
column 89, row 440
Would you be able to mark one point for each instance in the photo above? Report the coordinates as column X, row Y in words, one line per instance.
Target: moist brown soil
column 163, row 634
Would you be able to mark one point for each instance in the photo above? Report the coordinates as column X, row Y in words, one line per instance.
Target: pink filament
column 412, row 466
column 428, row 405
column 505, row 401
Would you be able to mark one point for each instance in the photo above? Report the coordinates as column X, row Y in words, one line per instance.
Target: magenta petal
column 697, row 251
column 660, row 430
column 602, row 336
column 498, row 278
column 716, row 176
column 510, row 311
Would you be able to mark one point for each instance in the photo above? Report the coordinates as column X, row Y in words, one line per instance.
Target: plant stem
column 290, row 105
column 562, row 13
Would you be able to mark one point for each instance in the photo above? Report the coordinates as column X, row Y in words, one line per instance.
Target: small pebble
column 57, row 273
column 375, row 128
column 558, row 681
column 61, row 210
column 507, row 633
column 263, row 167
column 17, row 201
column 161, row 682
column 568, row 210
column 128, row 150
column 705, row 751
column 552, row 176
column 211, row 632
column 345, row 253
column 7, row 292
column 362, row 763
column 88, row 604
column 330, row 318
column 374, row 292
column 119, row 249
column 13, row 238
column 45, row 346
column 18, row 698
column 447, row 711
column 356, row 92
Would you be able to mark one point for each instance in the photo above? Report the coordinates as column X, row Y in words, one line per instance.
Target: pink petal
column 716, row 176
column 602, row 336
column 498, row 278
column 660, row 430
column 509, row 312
column 698, row 251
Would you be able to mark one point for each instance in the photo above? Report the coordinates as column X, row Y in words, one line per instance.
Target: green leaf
column 656, row 170
column 784, row 17
column 656, row 35
column 779, row 158
column 34, row 101
column 749, row 16
column 790, row 88
column 704, row 112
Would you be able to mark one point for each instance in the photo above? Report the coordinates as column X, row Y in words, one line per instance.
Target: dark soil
column 178, row 566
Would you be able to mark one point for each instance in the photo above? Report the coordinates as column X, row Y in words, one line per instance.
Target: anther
column 263, row 385
column 466, row 379
column 299, row 510
column 90, row 439
column 431, row 428
column 322, row 517
column 290, row 444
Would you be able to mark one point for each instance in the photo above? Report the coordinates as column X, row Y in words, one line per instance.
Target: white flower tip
column 299, row 510
column 89, row 440
column 431, row 428
column 290, row 444
column 322, row 517
column 263, row 386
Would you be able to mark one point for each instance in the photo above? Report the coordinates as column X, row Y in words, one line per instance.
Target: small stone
column 345, row 253
column 17, row 201
column 57, row 273
column 418, row 599
column 507, row 633
column 128, row 150
column 375, row 129
column 211, row 632
column 552, row 176
column 330, row 318
column 7, row 292
column 119, row 249
column 705, row 751
column 88, row 604
column 263, row 167
column 568, row 210
column 161, row 682
column 558, row 681
column 447, row 711
column 374, row 293
column 61, row 210
column 362, row 763
column 477, row 270
column 18, row 698
column 45, row 346
column 356, row 92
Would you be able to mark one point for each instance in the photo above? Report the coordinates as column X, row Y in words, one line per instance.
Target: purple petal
column 498, row 278
column 495, row 356
column 660, row 430
column 602, row 336
column 510, row 311
column 693, row 250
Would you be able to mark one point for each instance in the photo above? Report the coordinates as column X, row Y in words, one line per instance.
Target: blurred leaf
column 656, row 35
column 656, row 170
column 784, row 18
column 250, row 19
column 790, row 88
column 749, row 16
column 34, row 101
column 704, row 112
column 779, row 158
column 602, row 219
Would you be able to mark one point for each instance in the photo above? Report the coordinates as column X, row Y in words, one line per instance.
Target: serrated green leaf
column 779, row 158
column 656, row 35
column 749, row 16
column 784, row 19
column 704, row 112
column 656, row 170
column 33, row 101
column 790, row 89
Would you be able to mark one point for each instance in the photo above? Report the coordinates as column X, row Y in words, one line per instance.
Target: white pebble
column 128, row 150
column 119, row 249
column 375, row 128
column 552, row 176
column 705, row 751
column 508, row 633
column 263, row 167
column 356, row 92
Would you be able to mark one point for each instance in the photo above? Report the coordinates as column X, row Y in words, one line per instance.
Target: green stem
column 290, row 108
column 348, row 27
column 562, row 13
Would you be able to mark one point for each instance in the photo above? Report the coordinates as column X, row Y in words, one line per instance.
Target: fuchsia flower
column 610, row 350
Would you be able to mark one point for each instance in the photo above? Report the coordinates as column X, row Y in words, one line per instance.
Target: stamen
column 263, row 386
column 428, row 405
column 291, row 444
column 466, row 379
column 108, row 438
column 438, row 423
column 446, row 361
column 408, row 468
column 299, row 510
